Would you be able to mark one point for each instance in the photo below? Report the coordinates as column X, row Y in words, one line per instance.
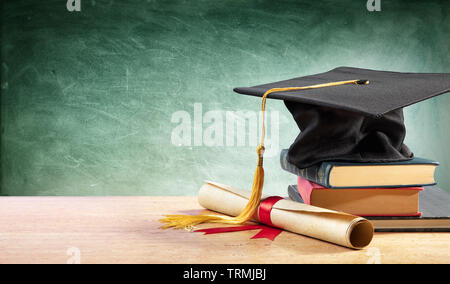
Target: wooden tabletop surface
column 126, row 230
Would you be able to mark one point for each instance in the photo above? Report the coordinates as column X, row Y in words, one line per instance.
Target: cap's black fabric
column 357, row 123
column 332, row 134
column 386, row 91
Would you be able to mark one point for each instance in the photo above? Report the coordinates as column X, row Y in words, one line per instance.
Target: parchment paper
column 328, row 225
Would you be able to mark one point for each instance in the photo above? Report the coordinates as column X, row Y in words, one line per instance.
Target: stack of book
column 397, row 196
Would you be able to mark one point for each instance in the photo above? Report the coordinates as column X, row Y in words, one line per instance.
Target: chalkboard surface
column 135, row 97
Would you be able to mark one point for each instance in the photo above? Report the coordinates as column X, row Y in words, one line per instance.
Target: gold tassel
column 188, row 221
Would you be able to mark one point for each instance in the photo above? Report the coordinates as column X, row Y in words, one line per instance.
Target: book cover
column 330, row 174
column 402, row 201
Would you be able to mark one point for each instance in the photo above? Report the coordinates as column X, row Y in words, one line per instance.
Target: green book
column 336, row 174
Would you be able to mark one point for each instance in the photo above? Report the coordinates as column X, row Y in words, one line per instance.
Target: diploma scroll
column 335, row 227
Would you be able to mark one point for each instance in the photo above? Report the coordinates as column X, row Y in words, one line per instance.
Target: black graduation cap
column 359, row 122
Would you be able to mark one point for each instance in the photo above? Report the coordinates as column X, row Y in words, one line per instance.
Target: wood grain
column 126, row 230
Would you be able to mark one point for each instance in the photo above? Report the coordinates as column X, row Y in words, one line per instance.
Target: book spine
column 317, row 174
column 323, row 175
column 293, row 194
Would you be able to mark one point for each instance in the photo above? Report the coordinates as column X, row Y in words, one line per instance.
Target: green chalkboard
column 135, row 97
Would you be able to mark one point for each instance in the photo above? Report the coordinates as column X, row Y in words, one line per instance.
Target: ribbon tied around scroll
column 269, row 232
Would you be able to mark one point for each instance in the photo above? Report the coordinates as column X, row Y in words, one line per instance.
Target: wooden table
column 126, row 230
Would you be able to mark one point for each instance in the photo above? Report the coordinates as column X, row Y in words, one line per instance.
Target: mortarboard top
column 386, row 91
column 351, row 122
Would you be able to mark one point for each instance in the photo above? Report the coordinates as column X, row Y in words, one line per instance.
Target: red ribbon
column 265, row 208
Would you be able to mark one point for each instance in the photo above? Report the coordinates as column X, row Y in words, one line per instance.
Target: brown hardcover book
column 433, row 203
column 402, row 201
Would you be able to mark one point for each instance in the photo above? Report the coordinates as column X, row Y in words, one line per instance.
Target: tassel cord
column 188, row 221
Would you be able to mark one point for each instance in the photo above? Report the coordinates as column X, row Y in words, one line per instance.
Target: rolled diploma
column 332, row 226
